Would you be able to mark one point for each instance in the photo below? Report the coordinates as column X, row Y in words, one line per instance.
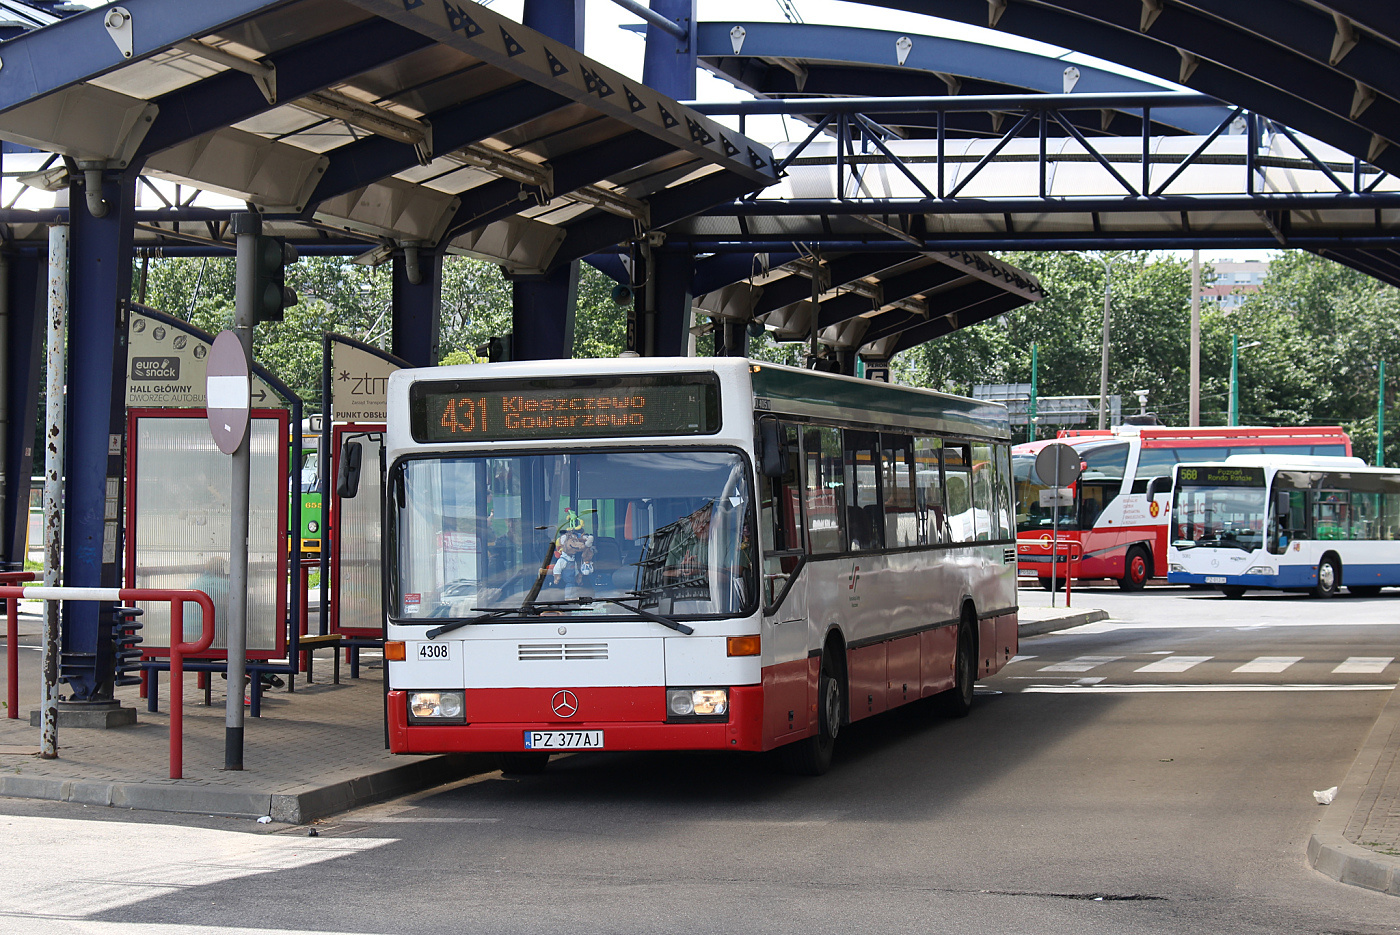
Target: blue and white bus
column 1286, row 523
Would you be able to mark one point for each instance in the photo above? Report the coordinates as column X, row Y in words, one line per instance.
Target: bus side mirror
column 347, row 477
column 772, row 455
column 1158, row 485
column 1281, row 505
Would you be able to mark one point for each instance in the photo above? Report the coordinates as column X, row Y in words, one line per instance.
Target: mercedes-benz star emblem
column 564, row 703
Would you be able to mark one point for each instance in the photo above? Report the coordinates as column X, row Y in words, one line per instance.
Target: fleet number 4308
column 434, row 651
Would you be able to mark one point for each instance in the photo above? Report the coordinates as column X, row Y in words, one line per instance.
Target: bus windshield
column 671, row 529
column 1219, row 516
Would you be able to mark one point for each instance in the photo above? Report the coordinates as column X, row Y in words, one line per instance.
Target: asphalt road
column 1152, row 773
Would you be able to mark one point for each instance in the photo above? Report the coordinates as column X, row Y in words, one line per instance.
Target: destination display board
column 1220, row 476
column 574, row 407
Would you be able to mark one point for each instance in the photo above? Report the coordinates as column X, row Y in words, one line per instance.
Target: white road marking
column 1018, row 659
column 1079, row 664
column 1111, row 626
column 1268, row 664
column 1093, row 680
column 30, row 925
column 1188, row 689
column 1174, row 664
column 1363, row 665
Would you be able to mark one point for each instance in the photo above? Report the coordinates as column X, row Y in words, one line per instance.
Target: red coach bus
column 1115, row 530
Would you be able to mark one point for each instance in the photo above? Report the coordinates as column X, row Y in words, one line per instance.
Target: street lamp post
column 1103, row 363
column 1380, row 414
column 1235, row 348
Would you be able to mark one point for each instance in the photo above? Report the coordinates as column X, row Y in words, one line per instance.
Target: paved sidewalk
column 312, row 753
column 1358, row 837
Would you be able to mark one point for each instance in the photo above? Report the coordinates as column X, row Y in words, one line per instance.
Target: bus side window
column 901, row 515
column 1005, row 524
column 861, row 469
column 1390, row 511
column 983, row 483
column 1101, row 481
column 930, row 506
column 782, row 519
column 823, row 481
column 957, row 479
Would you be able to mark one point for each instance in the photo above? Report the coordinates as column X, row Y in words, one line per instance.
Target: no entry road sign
column 227, row 392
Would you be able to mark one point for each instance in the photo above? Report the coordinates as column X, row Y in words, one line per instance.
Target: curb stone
column 1329, row 852
column 294, row 807
column 1063, row 622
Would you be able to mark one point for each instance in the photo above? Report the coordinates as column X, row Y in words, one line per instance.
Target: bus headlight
column 1175, row 567
column 1260, row 570
column 697, row 702
column 437, row 706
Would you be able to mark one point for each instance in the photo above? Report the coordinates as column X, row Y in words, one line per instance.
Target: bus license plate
column 1215, row 579
column 563, row 740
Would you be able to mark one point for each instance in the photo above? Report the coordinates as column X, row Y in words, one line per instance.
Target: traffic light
column 271, row 295
column 496, row 349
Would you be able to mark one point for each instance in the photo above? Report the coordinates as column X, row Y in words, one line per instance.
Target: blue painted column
column 542, row 315
column 417, row 311
column 542, row 308
column 99, row 286
column 674, row 271
column 669, row 63
column 24, row 346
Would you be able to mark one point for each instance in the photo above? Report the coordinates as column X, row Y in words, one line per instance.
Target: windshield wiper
column 644, row 614
column 435, row 632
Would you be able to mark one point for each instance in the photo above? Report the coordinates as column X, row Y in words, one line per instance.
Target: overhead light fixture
column 541, row 176
column 372, row 119
column 50, row 180
column 375, row 257
column 264, row 74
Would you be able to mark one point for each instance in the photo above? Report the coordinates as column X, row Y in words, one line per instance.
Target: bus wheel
column 957, row 701
column 1365, row 590
column 1233, row 591
column 524, row 764
column 1137, row 568
column 1058, row 584
column 1329, row 577
column 811, row 756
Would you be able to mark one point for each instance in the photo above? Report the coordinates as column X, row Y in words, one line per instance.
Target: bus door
column 786, row 631
column 1096, row 491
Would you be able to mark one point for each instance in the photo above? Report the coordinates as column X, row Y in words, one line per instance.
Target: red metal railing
column 178, row 651
column 12, row 642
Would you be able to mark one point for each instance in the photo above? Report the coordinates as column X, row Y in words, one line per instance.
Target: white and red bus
column 685, row 554
column 1114, row 530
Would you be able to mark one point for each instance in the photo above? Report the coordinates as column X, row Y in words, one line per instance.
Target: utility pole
column 1035, row 390
column 1380, row 415
column 1234, row 414
column 1195, row 409
column 1103, row 365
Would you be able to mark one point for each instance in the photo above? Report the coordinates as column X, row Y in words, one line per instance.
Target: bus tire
column 811, row 756
column 1137, row 569
column 1329, row 577
column 1232, row 591
column 957, row 701
column 523, row 764
column 1058, row 584
column 1365, row 590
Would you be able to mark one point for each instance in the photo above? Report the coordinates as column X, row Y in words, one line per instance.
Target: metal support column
column 672, row 273
column 417, row 324
column 668, row 65
column 560, row 20
column 542, row 315
column 100, row 288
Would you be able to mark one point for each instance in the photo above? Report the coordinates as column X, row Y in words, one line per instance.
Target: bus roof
column 811, row 393
column 1207, row 435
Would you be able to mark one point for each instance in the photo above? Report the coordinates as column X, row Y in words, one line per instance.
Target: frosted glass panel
column 182, row 526
column 358, row 588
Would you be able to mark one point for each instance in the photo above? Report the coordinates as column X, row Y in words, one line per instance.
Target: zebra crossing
column 1144, row 672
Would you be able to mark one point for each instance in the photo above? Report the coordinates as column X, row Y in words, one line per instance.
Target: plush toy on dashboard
column 573, row 561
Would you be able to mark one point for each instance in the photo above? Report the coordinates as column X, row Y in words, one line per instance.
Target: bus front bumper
column 1307, row 579
column 742, row 731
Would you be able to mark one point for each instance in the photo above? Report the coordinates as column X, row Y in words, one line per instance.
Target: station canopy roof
column 796, row 60
column 398, row 121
